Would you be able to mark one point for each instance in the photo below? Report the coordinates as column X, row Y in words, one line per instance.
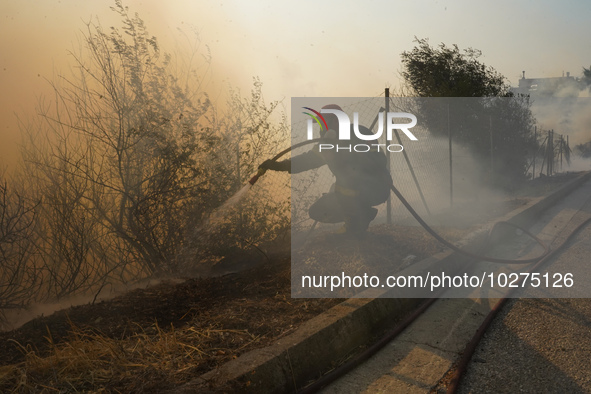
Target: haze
column 303, row 48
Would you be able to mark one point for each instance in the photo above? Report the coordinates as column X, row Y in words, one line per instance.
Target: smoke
column 578, row 163
column 457, row 201
column 569, row 116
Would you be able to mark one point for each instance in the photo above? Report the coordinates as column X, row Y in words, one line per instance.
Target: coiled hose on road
column 471, row 347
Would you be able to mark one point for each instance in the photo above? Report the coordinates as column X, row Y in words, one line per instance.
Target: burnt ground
column 154, row 339
column 214, row 319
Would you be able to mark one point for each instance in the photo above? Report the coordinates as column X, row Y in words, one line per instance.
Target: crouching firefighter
column 362, row 179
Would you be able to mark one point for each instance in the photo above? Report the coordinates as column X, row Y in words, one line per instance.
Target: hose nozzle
column 259, row 174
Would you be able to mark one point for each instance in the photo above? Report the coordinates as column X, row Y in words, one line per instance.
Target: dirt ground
column 157, row 338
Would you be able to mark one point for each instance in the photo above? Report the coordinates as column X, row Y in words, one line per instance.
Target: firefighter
column 362, row 179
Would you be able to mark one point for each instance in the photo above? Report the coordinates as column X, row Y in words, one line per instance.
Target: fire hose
column 471, row 347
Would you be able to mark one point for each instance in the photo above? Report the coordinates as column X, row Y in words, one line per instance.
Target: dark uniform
column 362, row 182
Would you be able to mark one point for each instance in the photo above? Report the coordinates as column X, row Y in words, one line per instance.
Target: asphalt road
column 542, row 345
column 535, row 345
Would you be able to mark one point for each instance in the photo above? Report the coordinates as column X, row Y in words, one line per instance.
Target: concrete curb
column 525, row 217
column 291, row 362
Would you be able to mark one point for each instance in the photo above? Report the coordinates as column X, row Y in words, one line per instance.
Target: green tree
column 485, row 116
column 449, row 72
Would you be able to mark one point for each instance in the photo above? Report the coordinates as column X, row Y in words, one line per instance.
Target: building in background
column 565, row 86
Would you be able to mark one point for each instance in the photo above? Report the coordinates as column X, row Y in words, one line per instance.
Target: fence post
column 561, row 149
column 550, row 152
column 533, row 174
column 451, row 184
column 553, row 153
column 492, row 162
column 389, row 202
column 412, row 173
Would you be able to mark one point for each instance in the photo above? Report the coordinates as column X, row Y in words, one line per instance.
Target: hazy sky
column 297, row 48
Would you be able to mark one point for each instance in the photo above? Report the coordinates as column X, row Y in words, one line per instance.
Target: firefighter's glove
column 276, row 165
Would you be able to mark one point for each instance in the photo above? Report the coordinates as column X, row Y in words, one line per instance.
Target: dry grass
column 116, row 346
column 149, row 361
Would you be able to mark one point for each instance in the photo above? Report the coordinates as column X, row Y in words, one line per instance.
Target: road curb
column 312, row 349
